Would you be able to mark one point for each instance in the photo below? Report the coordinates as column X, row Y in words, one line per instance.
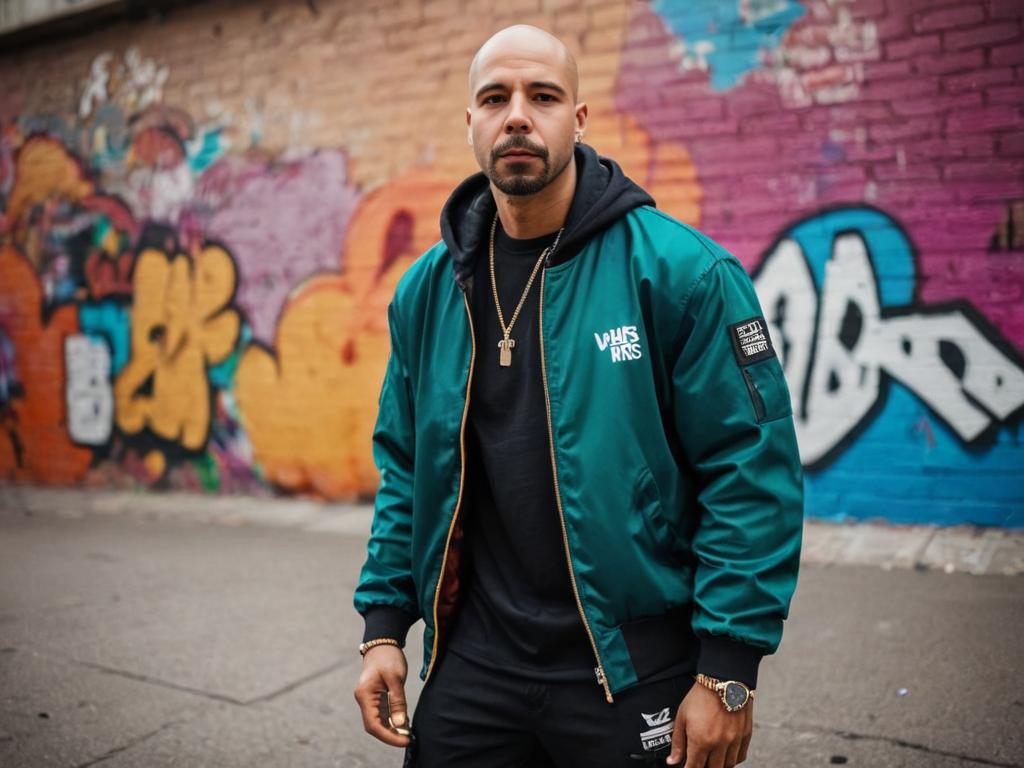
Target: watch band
column 364, row 647
column 734, row 694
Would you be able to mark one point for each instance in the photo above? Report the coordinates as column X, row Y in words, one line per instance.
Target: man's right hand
column 384, row 671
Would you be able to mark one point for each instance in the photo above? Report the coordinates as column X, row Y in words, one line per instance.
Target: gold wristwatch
column 734, row 694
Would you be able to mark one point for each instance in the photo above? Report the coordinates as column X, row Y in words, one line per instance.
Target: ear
column 469, row 126
column 581, row 119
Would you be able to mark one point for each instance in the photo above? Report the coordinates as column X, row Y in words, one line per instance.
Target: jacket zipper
column 462, row 479
column 602, row 679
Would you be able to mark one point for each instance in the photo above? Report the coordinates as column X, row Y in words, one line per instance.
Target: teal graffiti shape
column 729, row 36
column 111, row 322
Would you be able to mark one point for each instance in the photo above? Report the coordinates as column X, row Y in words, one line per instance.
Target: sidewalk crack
column 298, row 683
column 133, row 743
column 854, row 736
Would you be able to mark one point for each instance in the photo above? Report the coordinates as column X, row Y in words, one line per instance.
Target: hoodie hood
column 603, row 195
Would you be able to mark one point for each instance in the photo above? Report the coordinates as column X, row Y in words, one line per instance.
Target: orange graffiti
column 309, row 408
column 34, row 443
column 664, row 168
column 182, row 322
column 45, row 172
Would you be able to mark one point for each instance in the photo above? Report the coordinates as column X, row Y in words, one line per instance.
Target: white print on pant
column 660, row 732
column 624, row 343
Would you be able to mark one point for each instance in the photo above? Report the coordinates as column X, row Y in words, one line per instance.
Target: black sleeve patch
column 750, row 341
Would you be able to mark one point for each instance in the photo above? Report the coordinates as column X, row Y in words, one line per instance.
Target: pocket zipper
column 755, row 396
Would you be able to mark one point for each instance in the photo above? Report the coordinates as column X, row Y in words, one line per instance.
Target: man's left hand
column 707, row 734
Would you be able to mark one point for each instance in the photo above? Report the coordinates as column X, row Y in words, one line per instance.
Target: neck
column 526, row 216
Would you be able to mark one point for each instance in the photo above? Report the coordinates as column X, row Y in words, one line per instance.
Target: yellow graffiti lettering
column 182, row 322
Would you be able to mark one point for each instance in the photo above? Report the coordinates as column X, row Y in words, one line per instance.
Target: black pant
column 472, row 716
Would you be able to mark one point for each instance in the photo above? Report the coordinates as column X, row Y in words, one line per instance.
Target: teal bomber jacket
column 677, row 474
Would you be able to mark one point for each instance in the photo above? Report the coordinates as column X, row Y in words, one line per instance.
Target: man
column 590, row 488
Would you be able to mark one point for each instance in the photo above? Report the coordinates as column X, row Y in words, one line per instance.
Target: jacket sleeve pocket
column 766, row 385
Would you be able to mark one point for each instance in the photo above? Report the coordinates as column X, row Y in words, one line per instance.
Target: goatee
column 517, row 183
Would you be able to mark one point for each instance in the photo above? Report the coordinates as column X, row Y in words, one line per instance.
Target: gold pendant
column 505, row 352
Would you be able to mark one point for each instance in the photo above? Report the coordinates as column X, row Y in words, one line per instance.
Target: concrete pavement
column 961, row 549
column 149, row 630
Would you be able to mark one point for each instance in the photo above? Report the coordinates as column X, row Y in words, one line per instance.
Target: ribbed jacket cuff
column 386, row 621
column 727, row 659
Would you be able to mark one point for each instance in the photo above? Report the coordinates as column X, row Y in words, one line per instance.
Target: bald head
column 526, row 43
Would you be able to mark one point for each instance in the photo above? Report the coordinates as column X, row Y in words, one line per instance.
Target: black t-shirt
column 518, row 610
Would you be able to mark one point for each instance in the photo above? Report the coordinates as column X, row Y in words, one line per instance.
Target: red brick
column 912, row 6
column 986, row 119
column 894, row 26
column 909, row 107
column 702, row 109
column 699, row 128
column 1012, row 144
column 1007, row 94
column 972, row 169
column 971, row 38
column 900, row 193
column 951, row 147
column 745, row 102
column 865, row 8
column 945, row 18
column 977, row 80
column 912, row 46
column 891, row 90
column 904, row 129
column 862, row 112
column 937, row 105
column 781, row 122
column 1005, row 9
column 869, row 151
column 945, row 63
column 905, row 172
column 884, row 70
column 725, row 148
column 735, row 167
column 1007, row 54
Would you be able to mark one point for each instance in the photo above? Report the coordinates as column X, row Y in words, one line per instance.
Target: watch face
column 736, row 695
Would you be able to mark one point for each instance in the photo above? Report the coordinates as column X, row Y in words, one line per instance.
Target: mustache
column 518, row 142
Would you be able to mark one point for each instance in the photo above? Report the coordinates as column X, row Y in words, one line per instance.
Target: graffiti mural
column 34, row 442
column 197, row 251
column 839, row 290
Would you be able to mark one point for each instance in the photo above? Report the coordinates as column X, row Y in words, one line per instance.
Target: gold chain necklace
column 506, row 343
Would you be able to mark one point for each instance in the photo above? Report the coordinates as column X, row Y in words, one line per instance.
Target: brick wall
column 204, row 215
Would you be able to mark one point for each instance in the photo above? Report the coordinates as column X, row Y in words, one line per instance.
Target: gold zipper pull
column 603, row 682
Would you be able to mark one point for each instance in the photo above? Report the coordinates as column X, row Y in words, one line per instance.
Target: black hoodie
column 517, row 609
column 603, row 195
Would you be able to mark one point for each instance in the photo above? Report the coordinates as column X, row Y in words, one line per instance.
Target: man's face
column 523, row 115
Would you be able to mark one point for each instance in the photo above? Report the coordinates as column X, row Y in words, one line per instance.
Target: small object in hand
column 401, row 730
column 385, row 711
